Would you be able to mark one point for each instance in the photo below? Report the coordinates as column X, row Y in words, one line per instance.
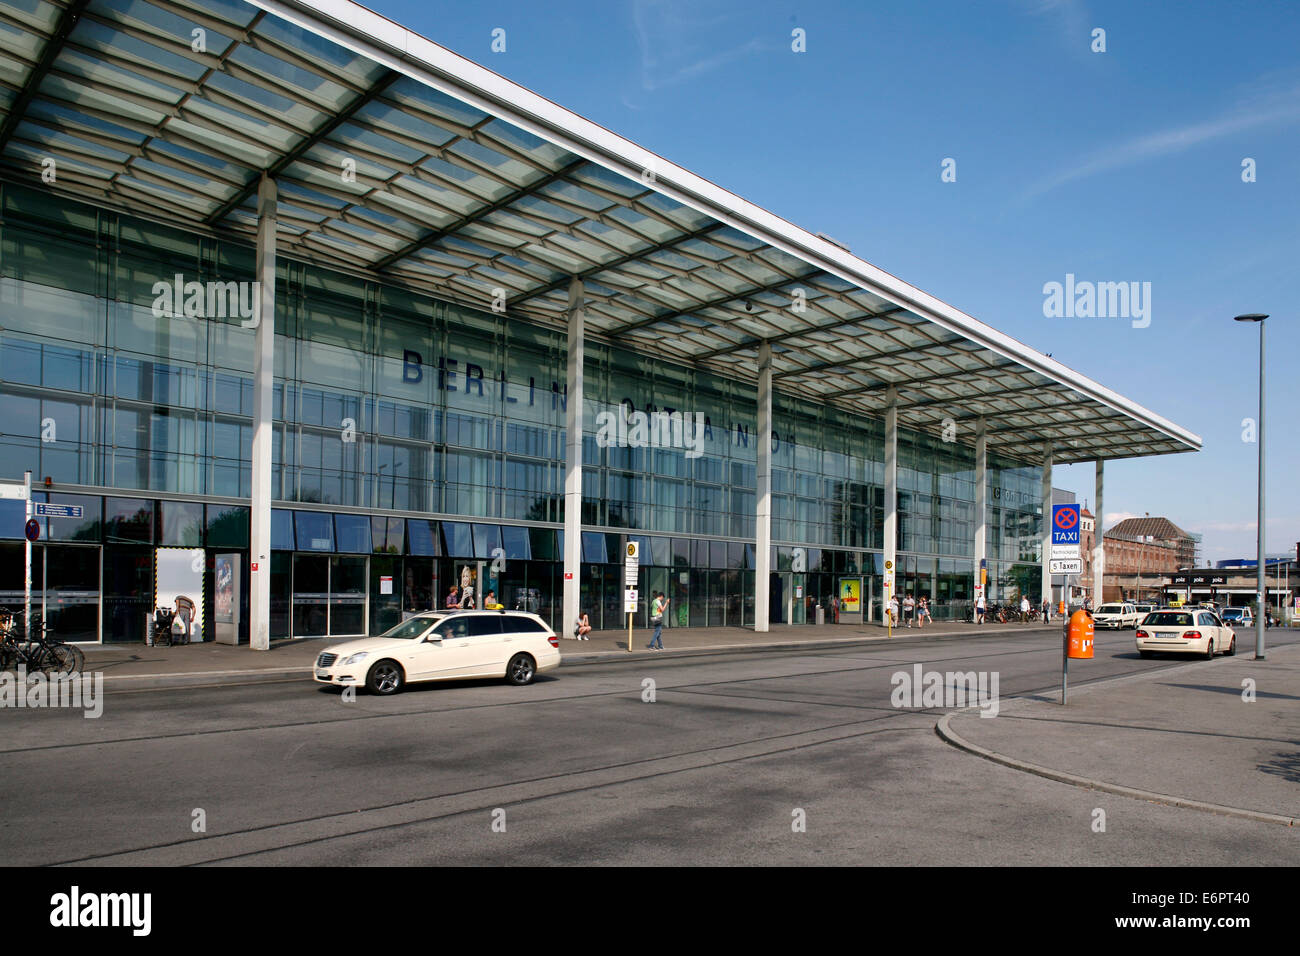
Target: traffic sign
column 1065, row 524
column 32, row 530
column 57, row 511
column 12, row 491
column 1064, row 552
column 1065, row 566
column 631, row 564
column 629, row 600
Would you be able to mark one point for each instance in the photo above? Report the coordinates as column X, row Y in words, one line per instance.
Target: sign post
column 631, row 565
column 889, row 595
column 1065, row 559
column 27, row 555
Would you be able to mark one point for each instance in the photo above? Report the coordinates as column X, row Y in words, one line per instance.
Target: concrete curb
column 268, row 675
column 945, row 732
column 604, row 657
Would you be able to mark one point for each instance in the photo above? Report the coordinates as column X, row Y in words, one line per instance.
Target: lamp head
column 1250, row 317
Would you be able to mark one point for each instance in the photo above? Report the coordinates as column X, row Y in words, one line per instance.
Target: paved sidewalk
column 135, row 665
column 1182, row 736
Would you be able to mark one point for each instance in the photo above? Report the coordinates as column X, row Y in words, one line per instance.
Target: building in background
column 1141, row 556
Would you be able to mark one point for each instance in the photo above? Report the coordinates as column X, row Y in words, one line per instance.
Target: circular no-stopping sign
column 32, row 529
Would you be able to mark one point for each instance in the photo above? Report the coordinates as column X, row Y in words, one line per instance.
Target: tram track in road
column 247, row 843
column 697, row 687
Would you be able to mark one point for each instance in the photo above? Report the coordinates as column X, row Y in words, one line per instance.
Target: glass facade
column 419, row 443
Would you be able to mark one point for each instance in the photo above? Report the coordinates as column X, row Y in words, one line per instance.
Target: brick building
column 1141, row 556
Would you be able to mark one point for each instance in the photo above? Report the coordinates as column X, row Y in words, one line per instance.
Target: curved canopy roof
column 398, row 159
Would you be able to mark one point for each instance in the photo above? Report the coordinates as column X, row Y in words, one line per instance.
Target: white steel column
column 981, row 499
column 1047, row 525
column 891, row 494
column 763, row 493
column 1098, row 547
column 573, row 465
column 259, row 585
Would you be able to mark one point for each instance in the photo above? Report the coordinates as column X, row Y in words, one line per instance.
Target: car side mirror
column 433, row 639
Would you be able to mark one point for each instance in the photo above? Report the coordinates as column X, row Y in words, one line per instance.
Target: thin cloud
column 1167, row 142
column 676, row 43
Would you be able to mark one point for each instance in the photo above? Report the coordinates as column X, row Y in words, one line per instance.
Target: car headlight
column 356, row 658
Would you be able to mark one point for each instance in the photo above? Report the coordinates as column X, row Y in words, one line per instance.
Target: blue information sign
column 1065, row 524
column 57, row 511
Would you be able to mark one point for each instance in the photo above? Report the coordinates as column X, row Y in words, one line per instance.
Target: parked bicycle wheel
column 63, row 659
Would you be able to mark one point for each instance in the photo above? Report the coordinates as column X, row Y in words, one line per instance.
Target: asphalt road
column 580, row 769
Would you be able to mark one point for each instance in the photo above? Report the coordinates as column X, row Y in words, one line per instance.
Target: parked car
column 1185, row 631
column 1116, row 616
column 443, row 645
column 1144, row 609
column 1237, row 617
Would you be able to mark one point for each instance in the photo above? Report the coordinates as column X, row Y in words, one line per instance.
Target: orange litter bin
column 1080, row 635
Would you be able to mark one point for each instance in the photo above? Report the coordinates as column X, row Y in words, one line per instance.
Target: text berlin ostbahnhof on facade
column 287, row 287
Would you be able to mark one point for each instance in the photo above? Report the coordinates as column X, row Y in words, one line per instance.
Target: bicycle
column 38, row 652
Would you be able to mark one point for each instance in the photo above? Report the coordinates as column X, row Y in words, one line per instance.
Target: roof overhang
column 467, row 184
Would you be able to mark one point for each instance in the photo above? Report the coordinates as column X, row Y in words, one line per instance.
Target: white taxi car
column 443, row 645
column 1185, row 631
column 1116, row 616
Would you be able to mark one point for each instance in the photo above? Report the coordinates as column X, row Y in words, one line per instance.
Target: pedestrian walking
column 1024, row 609
column 909, row 609
column 658, row 608
column 979, row 608
column 923, row 611
column 893, row 611
column 835, row 608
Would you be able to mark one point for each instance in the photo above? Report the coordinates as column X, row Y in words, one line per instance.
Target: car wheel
column 1147, row 655
column 385, row 678
column 1232, row 647
column 521, row 670
column 1209, row 650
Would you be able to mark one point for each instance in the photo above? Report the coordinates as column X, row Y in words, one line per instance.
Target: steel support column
column 1047, row 526
column 573, row 465
column 259, row 593
column 891, row 495
column 1098, row 547
column 981, row 500
column 763, row 496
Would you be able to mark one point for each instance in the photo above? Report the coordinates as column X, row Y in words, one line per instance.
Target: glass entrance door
column 348, row 581
column 311, row 595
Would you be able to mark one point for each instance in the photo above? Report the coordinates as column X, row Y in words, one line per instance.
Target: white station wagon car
column 1191, row 631
column 443, row 645
column 1116, row 616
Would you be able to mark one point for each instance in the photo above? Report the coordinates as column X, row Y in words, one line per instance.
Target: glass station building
column 443, row 262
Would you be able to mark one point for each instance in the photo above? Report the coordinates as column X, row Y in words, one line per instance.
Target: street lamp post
column 1262, row 597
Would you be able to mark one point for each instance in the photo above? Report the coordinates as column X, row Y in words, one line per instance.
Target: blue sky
column 1117, row 166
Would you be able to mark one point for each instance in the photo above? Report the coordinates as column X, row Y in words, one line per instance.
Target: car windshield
column 1169, row 619
column 410, row 630
column 1110, row 609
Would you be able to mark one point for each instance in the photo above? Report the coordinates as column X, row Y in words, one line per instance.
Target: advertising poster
column 223, row 593
column 850, row 595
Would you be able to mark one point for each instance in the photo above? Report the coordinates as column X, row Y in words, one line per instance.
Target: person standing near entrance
column 923, row 611
column 657, row 610
column 909, row 608
column 1024, row 609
